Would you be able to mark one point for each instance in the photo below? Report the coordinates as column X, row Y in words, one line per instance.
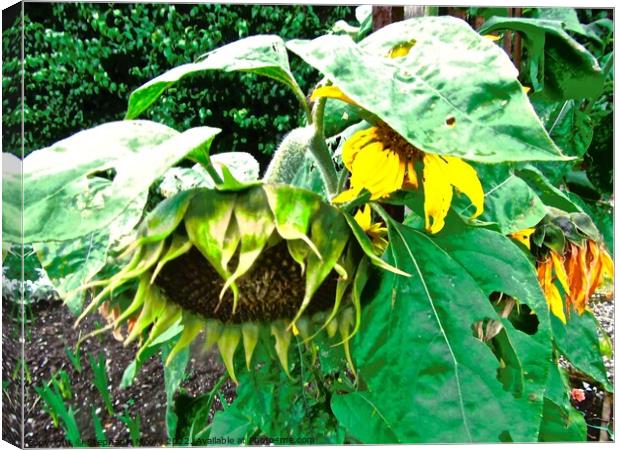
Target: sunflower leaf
column 439, row 361
column 455, row 93
column 558, row 63
column 264, row 55
column 68, row 192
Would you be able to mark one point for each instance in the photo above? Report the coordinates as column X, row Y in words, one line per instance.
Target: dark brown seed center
column 272, row 289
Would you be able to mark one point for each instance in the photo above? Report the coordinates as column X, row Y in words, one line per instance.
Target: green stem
column 321, row 152
column 213, row 173
column 304, row 103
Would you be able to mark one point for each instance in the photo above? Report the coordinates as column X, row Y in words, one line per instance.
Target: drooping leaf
column 558, row 63
column 569, row 19
column 579, row 343
column 70, row 264
column 64, row 196
column 509, row 203
column 570, row 128
column 547, row 192
column 265, row 55
column 455, row 93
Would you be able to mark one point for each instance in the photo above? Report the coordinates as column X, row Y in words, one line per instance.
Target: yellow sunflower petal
column 346, row 196
column 523, row 236
column 331, row 92
column 412, row 177
column 355, row 143
column 362, row 217
column 375, row 169
column 558, row 266
column 437, row 192
column 464, row 178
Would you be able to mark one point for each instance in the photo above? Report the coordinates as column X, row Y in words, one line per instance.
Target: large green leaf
column 264, row 54
column 455, row 93
column 354, row 409
column 558, row 63
column 430, row 379
column 12, row 191
column 571, row 129
column 70, row 264
column 578, row 341
column 510, row 205
column 66, row 198
column 547, row 192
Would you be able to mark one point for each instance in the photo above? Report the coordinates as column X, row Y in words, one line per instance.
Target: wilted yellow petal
column 581, row 296
column 355, row 143
column 437, row 192
column 331, row 92
column 464, row 178
column 362, row 217
column 492, row 37
column 608, row 263
column 560, row 272
column 523, row 236
column 554, row 300
column 595, row 264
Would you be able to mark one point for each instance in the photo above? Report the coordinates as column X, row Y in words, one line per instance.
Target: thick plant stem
column 321, row 152
column 304, row 103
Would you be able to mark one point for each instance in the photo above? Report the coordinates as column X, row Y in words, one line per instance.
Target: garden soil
column 50, row 332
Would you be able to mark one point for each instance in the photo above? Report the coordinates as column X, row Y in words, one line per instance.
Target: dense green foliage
column 83, row 60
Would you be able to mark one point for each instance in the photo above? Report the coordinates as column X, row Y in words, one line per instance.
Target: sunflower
column 375, row 231
column 580, row 270
column 258, row 264
column 382, row 162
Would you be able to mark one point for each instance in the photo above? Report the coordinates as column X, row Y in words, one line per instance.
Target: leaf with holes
column 431, row 379
column 67, row 190
column 451, row 74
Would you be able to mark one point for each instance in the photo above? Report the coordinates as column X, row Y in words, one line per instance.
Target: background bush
column 83, row 60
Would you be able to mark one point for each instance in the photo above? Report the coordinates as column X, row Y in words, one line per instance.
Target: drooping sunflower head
column 383, row 162
column 571, row 260
column 233, row 263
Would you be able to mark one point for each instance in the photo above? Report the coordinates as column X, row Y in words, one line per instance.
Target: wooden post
column 385, row 15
